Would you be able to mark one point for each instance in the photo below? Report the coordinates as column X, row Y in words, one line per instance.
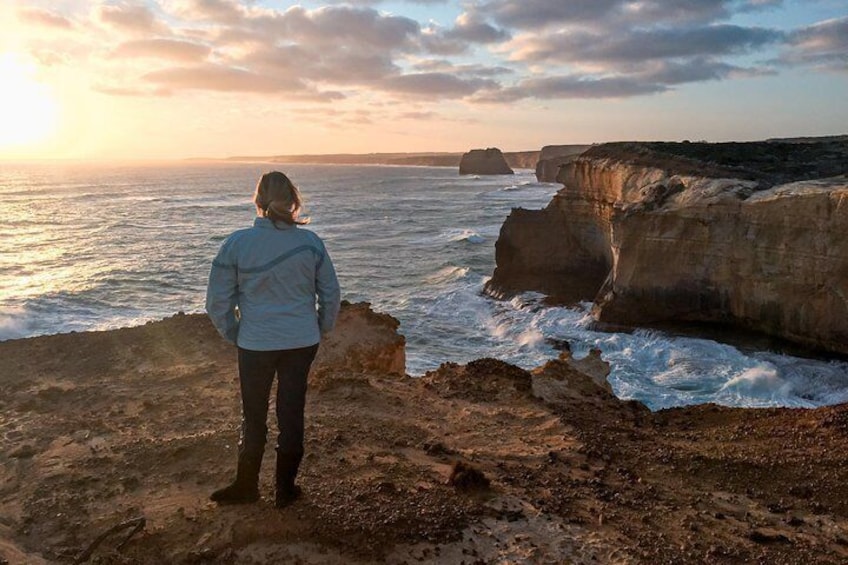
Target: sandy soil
column 104, row 427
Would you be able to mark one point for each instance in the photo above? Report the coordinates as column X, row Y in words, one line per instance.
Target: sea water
column 90, row 247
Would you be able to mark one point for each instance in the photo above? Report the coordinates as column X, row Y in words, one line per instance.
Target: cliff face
column 521, row 159
column 552, row 157
column 484, row 162
column 743, row 234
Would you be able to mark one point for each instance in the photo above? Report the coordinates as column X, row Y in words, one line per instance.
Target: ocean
column 93, row 247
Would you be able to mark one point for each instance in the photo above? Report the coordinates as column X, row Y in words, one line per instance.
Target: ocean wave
column 517, row 186
column 470, row 236
column 14, row 323
column 447, row 274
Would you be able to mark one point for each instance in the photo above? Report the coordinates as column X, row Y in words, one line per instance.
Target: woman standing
column 262, row 297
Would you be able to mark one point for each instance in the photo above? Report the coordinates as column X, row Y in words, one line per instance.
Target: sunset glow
column 191, row 78
column 28, row 109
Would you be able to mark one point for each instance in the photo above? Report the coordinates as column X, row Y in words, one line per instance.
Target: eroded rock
column 746, row 234
column 484, row 162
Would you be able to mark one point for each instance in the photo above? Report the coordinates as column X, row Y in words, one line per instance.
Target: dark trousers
column 256, row 375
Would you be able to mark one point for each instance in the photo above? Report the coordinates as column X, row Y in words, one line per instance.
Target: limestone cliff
column 746, row 234
column 552, row 157
column 484, row 162
column 521, row 159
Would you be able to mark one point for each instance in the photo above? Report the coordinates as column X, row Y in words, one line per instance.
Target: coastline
column 102, row 427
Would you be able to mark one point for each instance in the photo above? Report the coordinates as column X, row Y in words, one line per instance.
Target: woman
column 261, row 297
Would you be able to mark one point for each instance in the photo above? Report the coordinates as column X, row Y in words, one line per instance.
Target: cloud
column 572, row 86
column 435, row 85
column 229, row 79
column 50, row 58
column 538, row 14
column 822, row 45
column 417, row 116
column 695, row 70
column 219, row 11
column 470, row 27
column 540, row 49
column 45, row 18
column 468, row 30
column 469, row 69
column 344, row 66
column 128, row 17
column 113, row 90
column 171, row 49
column 640, row 45
column 341, row 27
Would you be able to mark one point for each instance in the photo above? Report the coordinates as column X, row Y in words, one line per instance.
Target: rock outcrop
column 552, row 157
column 364, row 341
column 483, row 462
column 745, row 234
column 484, row 162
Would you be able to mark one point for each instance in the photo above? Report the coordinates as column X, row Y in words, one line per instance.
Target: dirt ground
column 475, row 464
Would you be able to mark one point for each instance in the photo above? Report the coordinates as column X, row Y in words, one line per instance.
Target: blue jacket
column 263, row 285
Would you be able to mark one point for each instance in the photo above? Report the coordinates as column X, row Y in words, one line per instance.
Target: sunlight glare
column 28, row 109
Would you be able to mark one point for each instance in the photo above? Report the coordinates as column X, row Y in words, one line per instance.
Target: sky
column 152, row 79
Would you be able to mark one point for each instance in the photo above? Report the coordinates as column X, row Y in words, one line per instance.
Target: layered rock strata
column 552, row 157
column 484, row 162
column 746, row 234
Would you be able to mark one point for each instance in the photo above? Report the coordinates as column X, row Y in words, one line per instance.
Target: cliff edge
column 745, row 234
column 478, row 463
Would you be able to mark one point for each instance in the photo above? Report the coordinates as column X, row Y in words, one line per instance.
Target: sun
column 28, row 110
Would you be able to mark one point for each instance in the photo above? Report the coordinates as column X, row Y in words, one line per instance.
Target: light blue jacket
column 263, row 285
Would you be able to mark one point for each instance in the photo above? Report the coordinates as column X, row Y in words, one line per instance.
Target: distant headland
column 515, row 159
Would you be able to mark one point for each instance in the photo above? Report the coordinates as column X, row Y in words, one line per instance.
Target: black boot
column 245, row 489
column 287, row 491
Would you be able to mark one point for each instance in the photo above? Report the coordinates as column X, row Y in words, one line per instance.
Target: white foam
column 468, row 235
column 760, row 384
column 447, row 274
column 13, row 323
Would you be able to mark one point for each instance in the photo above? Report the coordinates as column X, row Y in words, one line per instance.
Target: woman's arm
column 328, row 291
column 222, row 294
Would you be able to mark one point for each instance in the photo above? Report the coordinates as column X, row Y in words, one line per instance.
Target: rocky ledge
column 476, row 463
column 742, row 234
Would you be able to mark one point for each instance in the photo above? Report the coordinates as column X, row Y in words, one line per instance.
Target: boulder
column 743, row 234
column 484, row 162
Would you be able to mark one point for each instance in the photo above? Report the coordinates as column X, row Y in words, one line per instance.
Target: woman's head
column 279, row 200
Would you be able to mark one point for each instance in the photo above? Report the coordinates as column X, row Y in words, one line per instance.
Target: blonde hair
column 278, row 199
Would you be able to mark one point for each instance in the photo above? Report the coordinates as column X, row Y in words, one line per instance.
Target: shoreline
column 747, row 343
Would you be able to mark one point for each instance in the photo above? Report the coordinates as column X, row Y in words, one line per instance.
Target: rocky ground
column 481, row 463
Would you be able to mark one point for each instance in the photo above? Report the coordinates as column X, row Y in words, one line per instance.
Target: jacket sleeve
column 328, row 291
column 222, row 293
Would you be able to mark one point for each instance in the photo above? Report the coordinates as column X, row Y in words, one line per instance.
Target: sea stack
column 750, row 235
column 484, row 162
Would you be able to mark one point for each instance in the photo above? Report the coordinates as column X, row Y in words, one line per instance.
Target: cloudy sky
column 183, row 78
